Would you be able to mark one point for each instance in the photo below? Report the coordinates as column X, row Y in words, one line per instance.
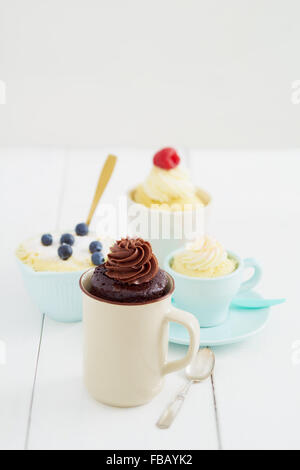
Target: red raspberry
column 166, row 158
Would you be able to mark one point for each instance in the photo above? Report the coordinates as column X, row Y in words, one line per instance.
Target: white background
column 204, row 73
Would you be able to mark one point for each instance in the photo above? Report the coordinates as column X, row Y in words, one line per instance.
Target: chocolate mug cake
column 130, row 275
column 127, row 307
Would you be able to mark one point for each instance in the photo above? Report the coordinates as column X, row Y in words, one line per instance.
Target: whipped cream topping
column 80, row 247
column 44, row 258
column 202, row 254
column 166, row 185
column 131, row 261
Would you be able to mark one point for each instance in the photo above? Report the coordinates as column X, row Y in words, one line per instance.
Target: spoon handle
column 172, row 410
column 103, row 180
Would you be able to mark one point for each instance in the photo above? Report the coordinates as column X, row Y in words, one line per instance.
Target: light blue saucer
column 241, row 324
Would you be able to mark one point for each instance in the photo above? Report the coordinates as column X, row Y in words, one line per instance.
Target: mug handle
column 191, row 324
column 256, row 276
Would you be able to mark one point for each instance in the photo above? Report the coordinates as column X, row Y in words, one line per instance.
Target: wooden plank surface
column 256, row 213
column 64, row 416
column 29, row 193
column 257, row 383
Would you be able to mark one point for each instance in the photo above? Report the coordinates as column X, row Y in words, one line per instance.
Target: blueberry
column 97, row 258
column 82, row 229
column 67, row 238
column 47, row 239
column 64, row 252
column 95, row 246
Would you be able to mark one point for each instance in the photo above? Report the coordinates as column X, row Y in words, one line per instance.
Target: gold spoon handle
column 103, row 180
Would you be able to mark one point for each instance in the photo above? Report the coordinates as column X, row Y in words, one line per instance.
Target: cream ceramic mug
column 126, row 346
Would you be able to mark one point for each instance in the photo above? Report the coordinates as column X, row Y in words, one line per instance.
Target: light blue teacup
column 209, row 299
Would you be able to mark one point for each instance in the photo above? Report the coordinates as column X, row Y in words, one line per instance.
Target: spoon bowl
column 200, row 369
column 202, row 366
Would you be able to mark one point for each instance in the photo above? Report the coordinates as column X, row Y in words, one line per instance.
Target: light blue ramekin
column 56, row 294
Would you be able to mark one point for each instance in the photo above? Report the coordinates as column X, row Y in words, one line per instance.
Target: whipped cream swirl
column 131, row 261
column 203, row 254
column 166, row 185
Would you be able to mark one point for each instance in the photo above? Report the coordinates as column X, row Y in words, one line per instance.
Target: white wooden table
column 253, row 400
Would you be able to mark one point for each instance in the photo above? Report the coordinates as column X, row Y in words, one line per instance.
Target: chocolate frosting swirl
column 131, row 261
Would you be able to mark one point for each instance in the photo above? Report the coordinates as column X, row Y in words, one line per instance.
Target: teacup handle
column 191, row 324
column 255, row 278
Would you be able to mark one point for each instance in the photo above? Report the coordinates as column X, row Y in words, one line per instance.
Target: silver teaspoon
column 200, row 369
